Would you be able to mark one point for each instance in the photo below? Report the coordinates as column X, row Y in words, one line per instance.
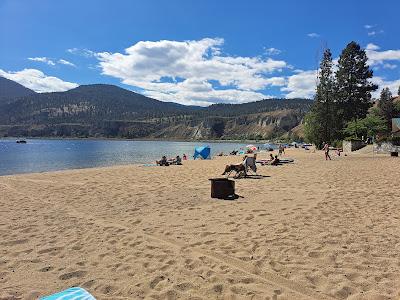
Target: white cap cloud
column 313, row 35
column 66, row 62
column 45, row 60
column 39, row 82
column 51, row 62
column 192, row 72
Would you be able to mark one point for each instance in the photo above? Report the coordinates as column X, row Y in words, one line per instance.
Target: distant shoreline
column 139, row 139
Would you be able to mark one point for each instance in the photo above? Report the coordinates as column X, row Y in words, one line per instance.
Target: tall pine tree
column 353, row 88
column 320, row 123
column 386, row 107
column 324, row 98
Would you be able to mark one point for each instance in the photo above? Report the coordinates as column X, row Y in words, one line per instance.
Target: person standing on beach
column 281, row 150
column 326, row 150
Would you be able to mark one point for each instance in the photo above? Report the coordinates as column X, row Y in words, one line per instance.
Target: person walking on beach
column 281, row 150
column 326, row 150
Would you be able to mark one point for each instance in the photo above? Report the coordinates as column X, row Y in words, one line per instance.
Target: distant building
column 396, row 126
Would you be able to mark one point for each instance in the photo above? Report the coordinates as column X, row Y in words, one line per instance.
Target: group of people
column 172, row 161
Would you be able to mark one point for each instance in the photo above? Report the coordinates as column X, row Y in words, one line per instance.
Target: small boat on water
column 21, row 142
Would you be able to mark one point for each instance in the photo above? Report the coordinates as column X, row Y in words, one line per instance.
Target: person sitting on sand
column 184, row 157
column 178, row 160
column 234, row 152
column 275, row 161
column 163, row 161
column 235, row 167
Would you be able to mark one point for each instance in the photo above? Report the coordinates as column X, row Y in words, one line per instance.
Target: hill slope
column 10, row 89
column 110, row 111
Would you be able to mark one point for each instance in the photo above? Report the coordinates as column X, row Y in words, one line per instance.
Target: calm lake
column 40, row 155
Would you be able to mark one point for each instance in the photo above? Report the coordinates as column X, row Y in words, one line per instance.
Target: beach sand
column 310, row 230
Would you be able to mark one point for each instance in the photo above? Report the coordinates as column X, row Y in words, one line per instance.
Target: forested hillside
column 101, row 110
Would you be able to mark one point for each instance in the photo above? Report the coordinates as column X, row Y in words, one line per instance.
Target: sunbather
column 235, row 167
column 275, row 161
column 163, row 161
column 177, row 160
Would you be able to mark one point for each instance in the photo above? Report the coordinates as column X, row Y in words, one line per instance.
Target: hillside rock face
column 264, row 125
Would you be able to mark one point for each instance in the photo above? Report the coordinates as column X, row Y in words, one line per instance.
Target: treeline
column 267, row 105
column 343, row 106
column 93, row 103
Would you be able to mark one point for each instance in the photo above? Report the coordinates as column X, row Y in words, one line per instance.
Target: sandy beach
column 308, row 230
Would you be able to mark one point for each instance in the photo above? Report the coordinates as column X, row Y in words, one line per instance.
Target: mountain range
column 101, row 110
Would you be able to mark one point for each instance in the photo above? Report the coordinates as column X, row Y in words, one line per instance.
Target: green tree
column 320, row 122
column 324, row 105
column 397, row 109
column 313, row 129
column 386, row 107
column 353, row 88
column 371, row 125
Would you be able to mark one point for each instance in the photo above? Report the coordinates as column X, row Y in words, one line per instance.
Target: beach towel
column 75, row 293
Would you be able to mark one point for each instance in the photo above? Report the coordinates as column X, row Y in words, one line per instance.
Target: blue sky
column 192, row 52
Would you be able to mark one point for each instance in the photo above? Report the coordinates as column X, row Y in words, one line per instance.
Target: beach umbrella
column 204, row 152
column 251, row 147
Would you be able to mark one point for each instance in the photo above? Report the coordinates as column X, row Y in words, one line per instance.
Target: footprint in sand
column 46, row 269
column 75, row 274
column 156, row 281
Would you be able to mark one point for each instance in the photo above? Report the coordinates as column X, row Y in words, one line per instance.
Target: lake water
column 40, row 155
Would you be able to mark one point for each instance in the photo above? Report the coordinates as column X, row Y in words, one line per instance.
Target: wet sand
column 308, row 230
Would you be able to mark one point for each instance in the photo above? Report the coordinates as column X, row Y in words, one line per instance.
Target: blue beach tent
column 204, row 152
column 75, row 293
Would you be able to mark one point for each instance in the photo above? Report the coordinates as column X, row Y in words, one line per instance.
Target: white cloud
column 272, row 51
column 43, row 60
column 393, row 85
column 372, row 46
column 367, row 26
column 189, row 97
column 66, row 62
column 82, row 52
column 313, row 35
column 192, row 71
column 376, row 57
column 51, row 62
column 374, row 32
column 38, row 81
column 301, row 85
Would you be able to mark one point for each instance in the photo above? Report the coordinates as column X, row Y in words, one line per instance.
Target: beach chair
column 250, row 166
column 75, row 293
column 247, row 168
